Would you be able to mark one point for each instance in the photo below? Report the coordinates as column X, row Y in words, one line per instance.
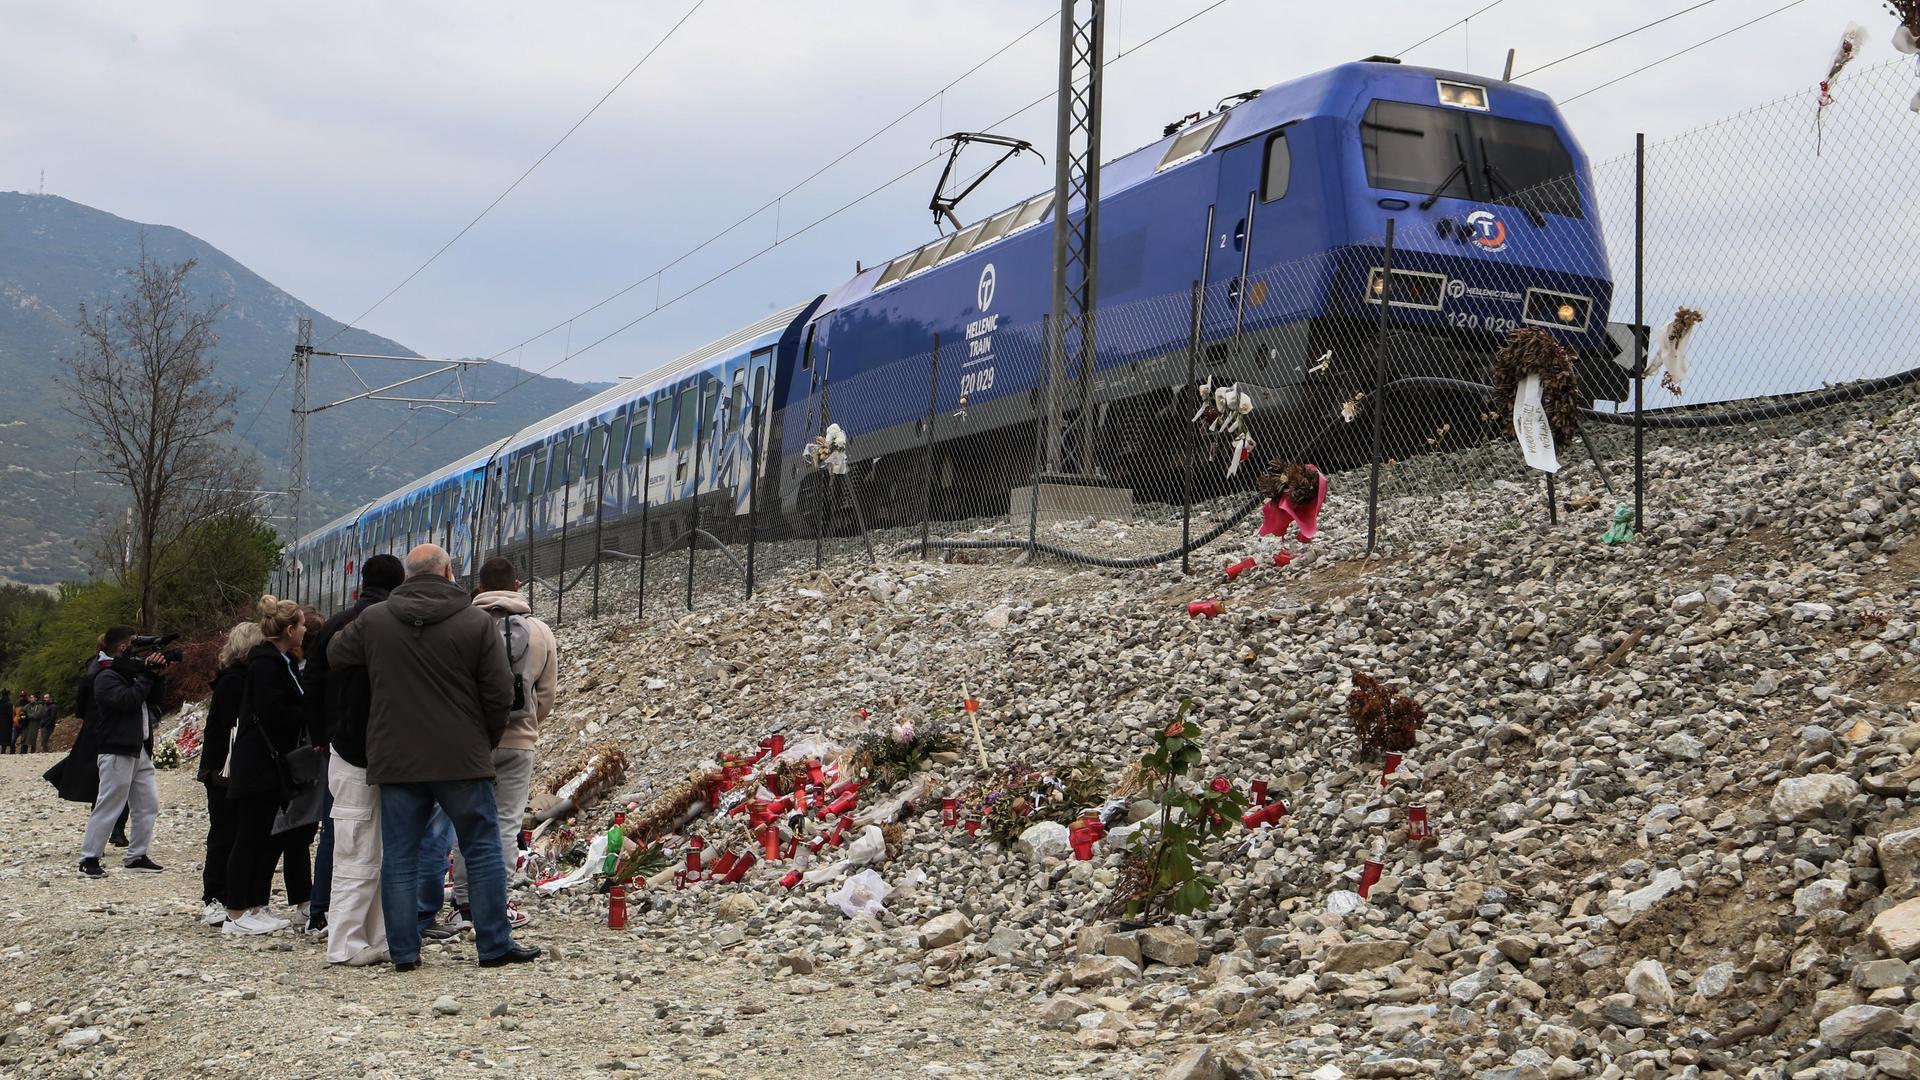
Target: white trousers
column 126, row 783
column 356, row 930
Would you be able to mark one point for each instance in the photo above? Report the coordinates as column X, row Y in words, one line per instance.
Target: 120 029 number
column 976, row 382
column 1467, row 320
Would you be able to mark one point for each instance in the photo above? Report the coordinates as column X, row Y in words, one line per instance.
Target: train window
column 896, row 270
column 576, row 459
column 1031, row 212
column 617, row 441
column 737, row 404
column 684, row 433
column 928, row 255
column 710, row 410
column 636, row 433
column 1279, row 171
column 1416, row 148
column 1525, row 165
column 538, row 484
column 996, row 227
column 662, row 425
column 1192, row 142
column 596, row 451
column 962, row 242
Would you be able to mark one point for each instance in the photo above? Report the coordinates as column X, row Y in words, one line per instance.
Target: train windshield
column 1463, row 155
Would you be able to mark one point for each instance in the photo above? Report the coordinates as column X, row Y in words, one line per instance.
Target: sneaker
column 213, row 914
column 517, row 918
column 458, row 918
column 145, row 865
column 438, row 933
column 261, row 914
column 250, row 923
column 317, row 925
column 92, row 868
column 119, row 839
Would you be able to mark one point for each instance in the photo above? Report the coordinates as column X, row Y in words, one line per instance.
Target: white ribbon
column 1530, row 426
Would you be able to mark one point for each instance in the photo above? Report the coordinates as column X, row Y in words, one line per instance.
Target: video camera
column 145, row 645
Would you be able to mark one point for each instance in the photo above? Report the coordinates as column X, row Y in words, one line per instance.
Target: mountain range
column 56, row 254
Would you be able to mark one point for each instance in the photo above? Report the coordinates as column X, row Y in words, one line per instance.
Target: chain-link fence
column 1755, row 269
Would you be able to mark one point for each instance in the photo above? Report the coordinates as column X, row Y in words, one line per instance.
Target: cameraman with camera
column 125, row 683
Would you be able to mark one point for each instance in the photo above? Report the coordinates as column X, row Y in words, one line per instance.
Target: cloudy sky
column 334, row 147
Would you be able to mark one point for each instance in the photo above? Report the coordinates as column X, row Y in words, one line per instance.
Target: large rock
column 944, row 930
column 1393, row 1019
column 1900, row 863
column 1044, row 840
column 1664, row 884
column 1124, row 945
column 1100, row 970
column 1198, row 1063
column 1062, row 1010
column 1802, row 797
column 1896, row 931
column 1818, row 896
column 1352, row 956
column 737, row 908
column 1648, row 984
column 1856, row 1023
column 1164, row 944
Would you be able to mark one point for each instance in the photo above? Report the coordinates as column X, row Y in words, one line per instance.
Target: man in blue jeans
column 440, row 692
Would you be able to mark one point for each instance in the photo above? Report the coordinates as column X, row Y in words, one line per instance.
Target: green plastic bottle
column 615, row 836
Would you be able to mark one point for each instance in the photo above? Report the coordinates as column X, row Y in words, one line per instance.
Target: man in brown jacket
column 535, row 662
column 440, row 692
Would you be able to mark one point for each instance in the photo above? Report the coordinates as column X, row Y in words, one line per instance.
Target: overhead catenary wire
column 497, row 199
column 1449, row 26
column 1671, row 56
column 1616, row 37
column 661, row 306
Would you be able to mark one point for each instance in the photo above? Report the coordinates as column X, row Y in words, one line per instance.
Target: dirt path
column 127, row 959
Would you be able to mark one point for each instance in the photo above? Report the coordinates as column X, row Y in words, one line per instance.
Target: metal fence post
column 599, row 524
column 1041, row 417
column 646, row 507
column 532, row 578
column 1379, row 384
column 753, row 489
column 566, row 510
column 1193, row 449
column 1639, row 329
column 699, row 453
column 926, row 498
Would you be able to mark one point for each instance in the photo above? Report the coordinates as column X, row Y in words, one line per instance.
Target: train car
column 1277, row 206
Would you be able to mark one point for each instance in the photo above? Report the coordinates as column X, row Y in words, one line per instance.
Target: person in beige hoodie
column 535, row 660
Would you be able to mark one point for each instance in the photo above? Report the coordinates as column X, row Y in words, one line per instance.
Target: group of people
column 26, row 720
column 397, row 733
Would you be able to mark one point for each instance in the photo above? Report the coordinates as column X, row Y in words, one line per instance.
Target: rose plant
column 1173, row 847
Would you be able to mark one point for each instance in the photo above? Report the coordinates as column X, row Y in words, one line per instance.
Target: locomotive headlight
column 1565, row 312
column 1463, row 95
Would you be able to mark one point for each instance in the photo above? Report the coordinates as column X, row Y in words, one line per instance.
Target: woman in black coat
column 223, row 709
column 268, row 726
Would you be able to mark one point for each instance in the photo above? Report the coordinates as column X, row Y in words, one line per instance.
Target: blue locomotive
column 1276, row 207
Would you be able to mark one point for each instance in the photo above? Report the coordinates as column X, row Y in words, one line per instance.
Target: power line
column 1616, row 37
column 1682, row 52
column 264, row 402
column 777, row 241
column 517, row 181
column 1449, row 26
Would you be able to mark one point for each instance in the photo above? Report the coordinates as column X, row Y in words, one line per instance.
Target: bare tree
column 152, row 415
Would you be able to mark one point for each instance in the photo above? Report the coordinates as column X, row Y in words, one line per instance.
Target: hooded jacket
column 534, row 655
column 341, row 697
column 439, row 683
column 126, row 705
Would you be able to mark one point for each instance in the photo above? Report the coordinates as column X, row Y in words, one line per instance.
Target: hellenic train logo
column 1488, row 231
column 985, row 294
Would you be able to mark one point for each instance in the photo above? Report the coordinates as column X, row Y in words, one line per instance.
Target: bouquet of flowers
column 829, row 451
column 1223, row 412
column 1670, row 358
column 1851, row 43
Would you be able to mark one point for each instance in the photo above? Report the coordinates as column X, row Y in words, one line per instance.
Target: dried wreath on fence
column 1289, row 480
column 1384, row 721
column 1670, row 359
column 1529, row 351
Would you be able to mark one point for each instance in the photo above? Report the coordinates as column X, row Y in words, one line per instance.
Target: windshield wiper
column 1459, row 172
column 1496, row 181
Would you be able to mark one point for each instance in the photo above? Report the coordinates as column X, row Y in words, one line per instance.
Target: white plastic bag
column 596, row 857
column 865, row 893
